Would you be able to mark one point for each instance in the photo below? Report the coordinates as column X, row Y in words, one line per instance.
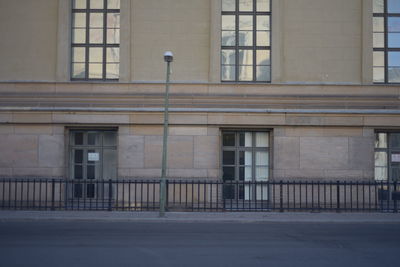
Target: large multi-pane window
column 245, row 40
column 387, row 156
column 95, row 39
column 386, row 41
column 245, row 159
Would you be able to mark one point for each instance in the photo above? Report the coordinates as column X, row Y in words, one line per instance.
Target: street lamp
column 168, row 57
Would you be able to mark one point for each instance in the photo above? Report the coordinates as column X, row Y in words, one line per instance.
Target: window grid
column 237, row 49
column 387, row 144
column 386, row 50
column 88, row 54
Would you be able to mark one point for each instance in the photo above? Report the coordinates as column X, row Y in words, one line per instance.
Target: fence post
column 166, row 194
column 281, row 195
column 394, row 196
column 337, row 196
column 53, row 186
column 109, row 195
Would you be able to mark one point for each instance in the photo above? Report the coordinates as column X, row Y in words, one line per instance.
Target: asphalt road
column 99, row 243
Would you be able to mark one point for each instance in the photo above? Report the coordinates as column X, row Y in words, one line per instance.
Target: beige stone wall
column 323, row 152
column 321, row 40
column 181, row 26
column 32, row 150
column 28, row 33
column 193, row 151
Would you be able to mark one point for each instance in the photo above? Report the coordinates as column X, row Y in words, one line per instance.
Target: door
column 92, row 161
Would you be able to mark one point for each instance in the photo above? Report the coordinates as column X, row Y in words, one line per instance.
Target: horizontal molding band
column 205, row 110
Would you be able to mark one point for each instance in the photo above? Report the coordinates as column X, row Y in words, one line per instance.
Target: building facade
column 261, row 90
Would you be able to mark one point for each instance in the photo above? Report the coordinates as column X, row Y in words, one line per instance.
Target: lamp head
column 168, row 56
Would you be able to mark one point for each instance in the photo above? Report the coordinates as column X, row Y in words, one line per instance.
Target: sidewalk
column 260, row 217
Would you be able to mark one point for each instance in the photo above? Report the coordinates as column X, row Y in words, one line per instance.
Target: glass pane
column 262, row 139
column 393, row 6
column 112, row 54
column 78, row 156
column 93, row 156
column 246, row 23
column 228, row 173
column 113, row 4
column 96, row 4
column 381, row 140
column 394, row 140
column 245, row 139
column 379, row 74
column 95, row 54
column 96, row 20
column 394, row 40
column 380, row 159
column 262, row 57
column 394, row 75
column 393, row 24
column 262, row 192
column 263, row 38
column 263, row 23
column 80, row 4
column 113, row 36
column 245, row 158
column 228, row 73
column 228, row 157
column 93, row 139
column 228, row 38
column 110, row 164
column 378, row 25
column 96, row 36
column 112, row 71
column 78, row 138
column 245, row 5
column 110, row 138
column 247, row 174
column 228, row 22
column 378, row 6
column 77, row 190
column 113, row 20
column 228, row 57
column 79, row 20
column 395, row 175
column 78, row 54
column 228, row 139
column 90, row 190
column 78, row 70
column 246, row 57
column 263, row 73
column 262, row 158
column 378, row 39
column 78, row 172
column 91, row 172
column 95, row 71
column 79, row 36
column 245, row 38
column 262, row 5
column 228, row 5
column 381, row 173
column 261, row 173
column 379, row 59
column 245, row 73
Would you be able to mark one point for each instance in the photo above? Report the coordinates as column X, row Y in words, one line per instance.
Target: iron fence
column 197, row 195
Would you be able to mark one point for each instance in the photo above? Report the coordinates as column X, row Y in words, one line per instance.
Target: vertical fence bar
column 109, row 195
column 281, row 196
column 394, row 196
column 337, row 196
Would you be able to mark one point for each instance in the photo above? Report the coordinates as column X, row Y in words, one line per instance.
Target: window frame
column 385, row 49
column 254, row 48
column 87, row 45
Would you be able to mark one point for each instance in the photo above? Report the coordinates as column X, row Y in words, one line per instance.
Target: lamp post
column 168, row 57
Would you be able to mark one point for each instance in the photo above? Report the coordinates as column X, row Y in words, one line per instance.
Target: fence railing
column 196, row 195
